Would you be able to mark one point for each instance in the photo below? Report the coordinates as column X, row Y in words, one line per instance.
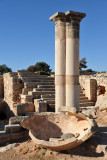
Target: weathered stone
column 40, row 106
column 60, row 56
column 16, row 120
column 12, row 88
column 48, row 133
column 23, row 108
column 91, row 89
column 67, row 58
column 12, row 137
column 89, row 112
column 101, row 103
column 8, row 147
column 13, row 128
column 67, row 136
column 1, row 86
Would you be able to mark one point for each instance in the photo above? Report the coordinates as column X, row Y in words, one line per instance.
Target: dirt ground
column 93, row 149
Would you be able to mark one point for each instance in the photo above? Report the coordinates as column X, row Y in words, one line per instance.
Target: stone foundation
column 12, row 89
column 101, row 79
column 1, row 86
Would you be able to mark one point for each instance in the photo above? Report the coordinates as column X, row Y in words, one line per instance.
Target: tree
column 31, row 69
column 82, row 63
column 40, row 67
column 4, row 69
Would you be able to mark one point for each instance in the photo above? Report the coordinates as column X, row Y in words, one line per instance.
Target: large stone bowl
column 59, row 131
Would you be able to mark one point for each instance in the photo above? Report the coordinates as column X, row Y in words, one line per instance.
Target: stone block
column 13, row 128
column 16, row 120
column 101, row 103
column 23, row 108
column 91, row 89
column 12, row 137
column 40, row 106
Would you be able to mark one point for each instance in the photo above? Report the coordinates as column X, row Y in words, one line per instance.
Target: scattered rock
column 61, row 159
column 67, row 136
column 101, row 103
column 49, row 152
column 8, row 147
column 25, row 150
column 91, row 113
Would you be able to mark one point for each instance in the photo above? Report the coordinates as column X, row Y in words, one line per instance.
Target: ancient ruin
column 67, row 58
column 76, row 100
column 53, row 134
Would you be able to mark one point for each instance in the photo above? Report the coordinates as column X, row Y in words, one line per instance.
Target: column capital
column 74, row 16
column 58, row 16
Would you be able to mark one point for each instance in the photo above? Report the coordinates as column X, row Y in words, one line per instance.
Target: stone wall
column 12, row 88
column 101, row 79
column 1, row 87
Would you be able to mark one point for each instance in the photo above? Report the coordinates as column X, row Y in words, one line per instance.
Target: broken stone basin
column 59, row 131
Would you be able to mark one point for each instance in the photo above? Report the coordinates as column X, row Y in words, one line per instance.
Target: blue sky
column 27, row 35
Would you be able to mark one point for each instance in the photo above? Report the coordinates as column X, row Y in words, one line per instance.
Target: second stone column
column 72, row 59
column 60, row 59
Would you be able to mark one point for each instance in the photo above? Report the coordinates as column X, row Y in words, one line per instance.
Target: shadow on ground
column 88, row 148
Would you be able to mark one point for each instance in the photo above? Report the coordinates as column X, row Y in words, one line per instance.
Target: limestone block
column 91, row 89
column 67, row 108
column 16, row 120
column 13, row 128
column 12, row 88
column 8, row 147
column 40, row 106
column 23, row 108
column 12, row 137
column 91, row 113
column 101, row 103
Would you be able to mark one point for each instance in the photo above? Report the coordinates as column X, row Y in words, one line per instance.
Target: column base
column 67, row 109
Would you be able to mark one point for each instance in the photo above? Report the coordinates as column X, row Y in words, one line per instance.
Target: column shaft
column 72, row 64
column 60, row 63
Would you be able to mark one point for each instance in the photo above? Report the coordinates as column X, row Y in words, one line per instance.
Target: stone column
column 60, row 58
column 72, row 58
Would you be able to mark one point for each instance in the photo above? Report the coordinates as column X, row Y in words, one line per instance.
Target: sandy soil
column 93, row 149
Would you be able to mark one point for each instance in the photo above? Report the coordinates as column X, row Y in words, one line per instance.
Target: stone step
column 34, row 84
column 84, row 100
column 43, row 89
column 25, row 90
column 33, row 76
column 48, row 96
column 83, row 97
column 82, row 94
column 27, row 74
column 84, row 104
column 36, row 79
column 16, row 119
column 41, row 80
column 45, row 86
column 30, row 85
column 51, row 107
column 50, row 102
column 53, row 96
column 13, row 128
column 12, row 137
column 39, row 93
column 48, row 99
column 26, row 98
column 33, row 80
